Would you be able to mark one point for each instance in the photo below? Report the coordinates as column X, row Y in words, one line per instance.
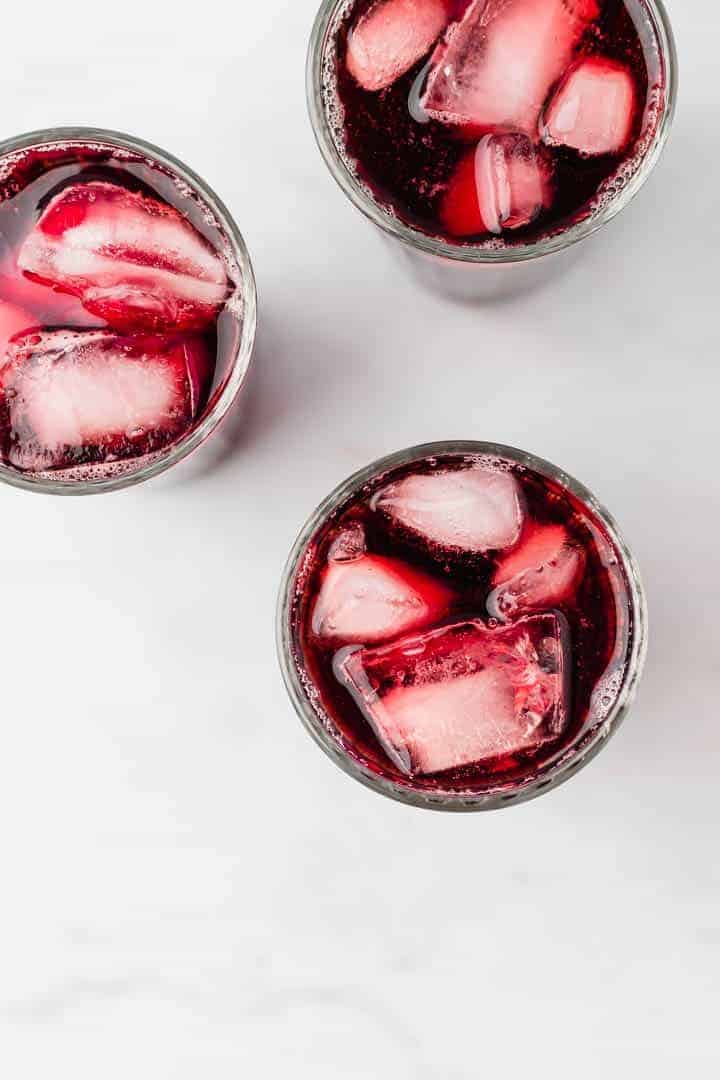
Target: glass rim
column 553, row 773
column 242, row 357
column 429, row 245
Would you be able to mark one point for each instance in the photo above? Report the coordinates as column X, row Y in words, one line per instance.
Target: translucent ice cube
column 389, row 38
column 71, row 398
column 463, row 694
column 504, row 183
column 372, row 598
column 349, row 544
column 135, row 262
column 545, row 570
column 473, row 509
column 593, row 109
column 495, row 68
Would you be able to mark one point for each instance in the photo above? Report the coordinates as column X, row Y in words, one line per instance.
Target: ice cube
column 133, row 261
column 393, row 35
column 474, row 509
column 495, row 67
column 545, row 570
column 593, row 109
column 504, row 183
column 75, row 397
column 464, row 694
column 349, row 544
column 373, row 598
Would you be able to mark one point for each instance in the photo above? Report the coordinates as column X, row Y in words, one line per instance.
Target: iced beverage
column 122, row 311
column 460, row 623
column 491, row 125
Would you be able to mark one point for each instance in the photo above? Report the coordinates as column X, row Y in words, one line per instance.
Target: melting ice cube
column 71, row 398
column 389, row 38
column 495, row 68
column 544, row 571
column 504, row 183
column 463, row 694
column 372, row 598
column 593, row 109
column 133, row 261
column 475, row 509
column 349, row 544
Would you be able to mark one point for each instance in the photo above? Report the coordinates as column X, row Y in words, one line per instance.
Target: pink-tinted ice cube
column 593, row 109
column 514, row 181
column 349, row 543
column 133, row 261
column 544, row 571
column 389, row 38
column 475, row 509
column 464, row 694
column 76, row 397
column 371, row 598
column 495, row 68
column 505, row 182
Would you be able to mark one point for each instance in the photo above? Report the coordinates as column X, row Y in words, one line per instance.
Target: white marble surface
column 189, row 888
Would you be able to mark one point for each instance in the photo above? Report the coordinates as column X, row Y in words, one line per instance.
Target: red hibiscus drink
column 491, row 129
column 127, row 311
column 461, row 626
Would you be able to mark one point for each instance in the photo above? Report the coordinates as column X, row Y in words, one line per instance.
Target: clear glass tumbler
column 236, row 323
column 472, row 271
column 613, row 695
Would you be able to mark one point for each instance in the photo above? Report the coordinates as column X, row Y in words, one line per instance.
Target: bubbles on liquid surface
column 339, row 106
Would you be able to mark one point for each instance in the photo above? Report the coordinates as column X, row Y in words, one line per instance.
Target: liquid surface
column 119, row 310
column 542, row 137
column 457, row 636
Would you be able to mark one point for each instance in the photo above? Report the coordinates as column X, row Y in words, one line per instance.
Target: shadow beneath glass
column 290, row 372
column 640, row 241
column 471, row 285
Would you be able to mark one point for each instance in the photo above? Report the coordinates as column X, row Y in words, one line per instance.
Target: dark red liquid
column 597, row 613
column 409, row 166
column 37, row 307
